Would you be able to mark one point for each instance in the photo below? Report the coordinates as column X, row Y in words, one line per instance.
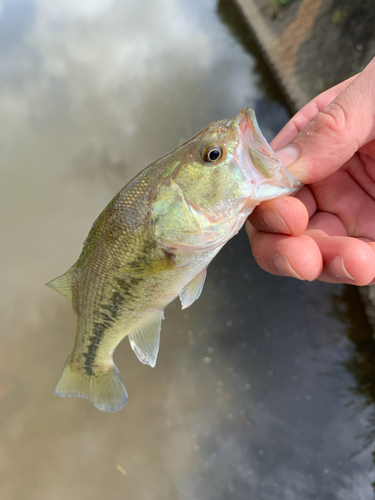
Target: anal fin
column 191, row 292
column 146, row 339
column 64, row 284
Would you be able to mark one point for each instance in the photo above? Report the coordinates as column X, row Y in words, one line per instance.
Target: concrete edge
column 267, row 42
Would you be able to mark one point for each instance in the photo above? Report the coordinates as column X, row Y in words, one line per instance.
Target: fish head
column 213, row 182
column 229, row 166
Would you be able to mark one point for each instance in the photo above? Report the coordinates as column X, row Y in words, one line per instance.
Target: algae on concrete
column 313, row 44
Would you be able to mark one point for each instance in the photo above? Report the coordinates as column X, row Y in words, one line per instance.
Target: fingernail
column 275, row 222
column 282, row 264
column 339, row 270
column 288, row 155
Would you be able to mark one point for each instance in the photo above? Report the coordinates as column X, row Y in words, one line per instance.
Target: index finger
column 305, row 114
column 336, row 133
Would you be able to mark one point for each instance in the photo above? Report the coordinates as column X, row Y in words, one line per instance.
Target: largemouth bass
column 153, row 243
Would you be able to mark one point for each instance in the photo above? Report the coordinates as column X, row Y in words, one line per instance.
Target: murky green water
column 258, row 388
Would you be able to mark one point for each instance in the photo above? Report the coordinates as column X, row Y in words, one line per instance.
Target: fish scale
column 154, row 241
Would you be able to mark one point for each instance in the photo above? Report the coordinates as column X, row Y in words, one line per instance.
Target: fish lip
column 254, row 144
column 243, row 121
column 266, row 177
column 250, row 134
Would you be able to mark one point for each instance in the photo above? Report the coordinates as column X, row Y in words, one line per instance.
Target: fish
column 153, row 243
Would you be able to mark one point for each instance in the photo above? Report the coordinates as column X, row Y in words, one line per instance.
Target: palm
column 346, row 200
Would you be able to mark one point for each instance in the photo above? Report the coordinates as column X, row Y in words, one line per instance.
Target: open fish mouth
column 262, row 156
column 266, row 175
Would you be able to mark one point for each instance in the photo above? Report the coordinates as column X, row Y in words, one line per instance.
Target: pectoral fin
column 145, row 341
column 64, row 284
column 191, row 292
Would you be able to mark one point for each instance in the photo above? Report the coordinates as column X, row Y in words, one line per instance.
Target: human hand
column 327, row 230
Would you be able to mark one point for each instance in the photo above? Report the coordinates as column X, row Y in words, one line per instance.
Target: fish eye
column 212, row 153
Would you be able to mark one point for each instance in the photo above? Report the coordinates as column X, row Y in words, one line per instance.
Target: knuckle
column 334, row 118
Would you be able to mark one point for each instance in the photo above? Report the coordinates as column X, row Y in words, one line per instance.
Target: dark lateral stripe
column 113, row 308
column 106, row 318
column 129, row 286
column 95, row 338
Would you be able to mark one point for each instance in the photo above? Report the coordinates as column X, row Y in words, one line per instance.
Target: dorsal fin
column 191, row 292
column 146, row 339
column 64, row 284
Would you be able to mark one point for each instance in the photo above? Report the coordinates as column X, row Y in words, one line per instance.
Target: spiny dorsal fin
column 191, row 292
column 146, row 339
column 64, row 284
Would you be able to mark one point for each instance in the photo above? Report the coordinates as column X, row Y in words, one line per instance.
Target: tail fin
column 107, row 391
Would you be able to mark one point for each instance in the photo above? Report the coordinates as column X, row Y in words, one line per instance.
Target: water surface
column 250, row 396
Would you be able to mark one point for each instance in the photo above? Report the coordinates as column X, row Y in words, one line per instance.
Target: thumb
column 336, row 133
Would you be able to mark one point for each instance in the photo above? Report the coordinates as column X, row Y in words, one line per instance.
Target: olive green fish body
column 154, row 241
column 123, row 276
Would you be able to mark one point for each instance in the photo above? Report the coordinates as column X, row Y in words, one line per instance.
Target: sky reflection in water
column 248, row 399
